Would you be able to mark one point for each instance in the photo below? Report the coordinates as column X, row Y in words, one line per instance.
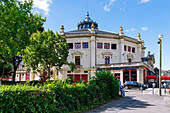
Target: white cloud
column 106, row 7
column 144, row 28
column 144, row 1
column 42, row 5
column 132, row 29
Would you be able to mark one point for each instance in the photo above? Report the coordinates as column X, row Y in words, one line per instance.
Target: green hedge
column 57, row 96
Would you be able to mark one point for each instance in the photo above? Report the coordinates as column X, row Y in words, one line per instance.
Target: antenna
column 87, row 5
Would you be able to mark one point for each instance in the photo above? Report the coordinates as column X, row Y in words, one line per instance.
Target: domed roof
column 86, row 23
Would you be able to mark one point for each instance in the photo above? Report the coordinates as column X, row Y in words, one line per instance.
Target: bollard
column 141, row 88
column 165, row 90
column 152, row 90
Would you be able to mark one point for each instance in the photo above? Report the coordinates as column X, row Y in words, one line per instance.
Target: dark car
column 133, row 84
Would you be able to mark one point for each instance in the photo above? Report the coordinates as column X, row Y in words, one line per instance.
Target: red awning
column 164, row 77
column 151, row 77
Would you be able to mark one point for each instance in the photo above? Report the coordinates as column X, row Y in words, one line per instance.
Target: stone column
column 138, row 75
column 121, row 77
column 121, row 51
column 92, row 52
column 139, row 52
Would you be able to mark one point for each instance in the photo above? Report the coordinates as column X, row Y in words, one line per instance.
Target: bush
column 56, row 96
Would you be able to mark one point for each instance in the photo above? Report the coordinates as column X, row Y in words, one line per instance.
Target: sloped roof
column 84, row 31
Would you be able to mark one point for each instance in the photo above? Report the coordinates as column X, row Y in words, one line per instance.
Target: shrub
column 56, row 96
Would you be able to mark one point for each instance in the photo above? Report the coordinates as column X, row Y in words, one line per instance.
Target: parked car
column 133, row 84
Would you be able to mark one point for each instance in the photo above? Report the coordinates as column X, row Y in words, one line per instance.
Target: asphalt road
column 135, row 102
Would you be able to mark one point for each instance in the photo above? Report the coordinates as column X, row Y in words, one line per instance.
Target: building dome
column 86, row 23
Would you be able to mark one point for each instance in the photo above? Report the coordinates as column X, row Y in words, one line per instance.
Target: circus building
column 94, row 50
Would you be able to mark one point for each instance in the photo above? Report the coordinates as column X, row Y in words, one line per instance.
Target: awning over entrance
column 164, row 77
column 151, row 77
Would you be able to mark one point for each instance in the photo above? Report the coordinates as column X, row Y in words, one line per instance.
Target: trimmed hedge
column 57, row 96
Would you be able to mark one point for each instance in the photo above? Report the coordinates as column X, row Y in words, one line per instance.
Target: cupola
column 86, row 23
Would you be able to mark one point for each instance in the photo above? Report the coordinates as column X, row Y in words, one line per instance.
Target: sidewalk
column 156, row 92
column 136, row 101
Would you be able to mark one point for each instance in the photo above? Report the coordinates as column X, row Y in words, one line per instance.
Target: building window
column 99, row 45
column 129, row 49
column 68, row 71
column 77, row 60
column 85, row 45
column 117, row 75
column 70, row 45
column 133, row 50
column 129, row 60
column 106, row 45
column 85, row 71
column 124, row 47
column 86, row 25
column 107, row 59
column 77, row 45
column 114, row 46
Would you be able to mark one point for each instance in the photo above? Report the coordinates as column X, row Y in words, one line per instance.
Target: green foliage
column 46, row 49
column 56, row 96
column 156, row 70
column 7, row 68
column 17, row 23
column 72, row 66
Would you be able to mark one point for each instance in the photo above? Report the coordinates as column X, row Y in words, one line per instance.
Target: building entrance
column 129, row 75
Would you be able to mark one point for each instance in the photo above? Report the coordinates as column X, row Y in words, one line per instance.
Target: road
column 136, row 102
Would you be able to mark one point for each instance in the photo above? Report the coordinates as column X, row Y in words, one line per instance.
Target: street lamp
column 160, row 37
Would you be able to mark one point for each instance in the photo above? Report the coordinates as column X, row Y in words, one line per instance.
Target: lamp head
column 160, row 36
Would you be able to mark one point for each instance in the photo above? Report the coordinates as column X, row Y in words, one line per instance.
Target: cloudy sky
column 148, row 17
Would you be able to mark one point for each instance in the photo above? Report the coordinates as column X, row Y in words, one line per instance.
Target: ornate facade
column 94, row 50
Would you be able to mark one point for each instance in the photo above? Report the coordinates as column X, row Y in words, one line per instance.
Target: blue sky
column 148, row 17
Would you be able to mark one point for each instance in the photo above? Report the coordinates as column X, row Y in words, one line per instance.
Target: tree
column 17, row 23
column 46, row 49
column 156, row 70
column 5, row 69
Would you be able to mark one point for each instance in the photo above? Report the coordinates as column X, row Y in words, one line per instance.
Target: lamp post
column 160, row 37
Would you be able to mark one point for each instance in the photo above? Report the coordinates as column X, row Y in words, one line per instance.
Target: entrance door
column 126, row 76
column 27, row 76
column 20, row 77
column 133, row 75
column 85, row 77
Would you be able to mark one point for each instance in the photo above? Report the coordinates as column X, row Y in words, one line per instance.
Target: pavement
column 136, row 101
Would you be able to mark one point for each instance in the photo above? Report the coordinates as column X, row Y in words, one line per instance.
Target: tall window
column 133, row 50
column 114, row 46
column 106, row 45
column 99, row 45
column 77, row 45
column 70, row 45
column 77, row 60
column 85, row 45
column 129, row 49
column 117, row 75
column 107, row 59
column 124, row 47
